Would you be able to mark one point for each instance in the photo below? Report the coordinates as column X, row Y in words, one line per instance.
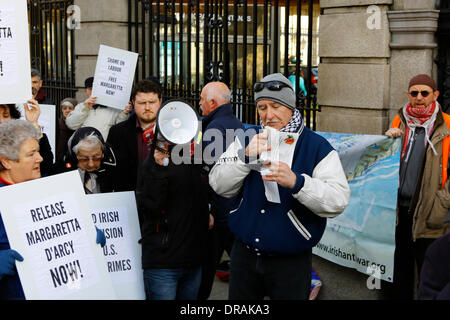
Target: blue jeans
column 172, row 284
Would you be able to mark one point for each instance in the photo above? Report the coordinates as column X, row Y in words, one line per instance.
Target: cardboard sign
column 114, row 75
column 46, row 222
column 15, row 70
column 116, row 214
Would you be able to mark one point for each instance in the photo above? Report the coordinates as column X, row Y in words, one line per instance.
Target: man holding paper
column 284, row 204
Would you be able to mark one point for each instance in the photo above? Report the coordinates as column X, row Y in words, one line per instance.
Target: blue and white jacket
column 298, row 222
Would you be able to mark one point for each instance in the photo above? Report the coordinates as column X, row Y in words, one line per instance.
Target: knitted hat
column 285, row 96
column 422, row 79
column 69, row 101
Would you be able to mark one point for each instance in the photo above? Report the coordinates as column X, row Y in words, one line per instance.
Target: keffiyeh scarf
column 419, row 117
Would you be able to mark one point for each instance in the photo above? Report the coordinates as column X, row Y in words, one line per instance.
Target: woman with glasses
column 94, row 159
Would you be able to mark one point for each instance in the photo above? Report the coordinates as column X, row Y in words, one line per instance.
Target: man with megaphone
column 289, row 180
column 173, row 209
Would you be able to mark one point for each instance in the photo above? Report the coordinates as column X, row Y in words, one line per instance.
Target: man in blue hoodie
column 218, row 119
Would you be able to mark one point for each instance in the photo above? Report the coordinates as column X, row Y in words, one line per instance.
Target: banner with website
column 363, row 236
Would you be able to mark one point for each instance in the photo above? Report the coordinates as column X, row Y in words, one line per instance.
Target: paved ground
column 339, row 283
column 219, row 290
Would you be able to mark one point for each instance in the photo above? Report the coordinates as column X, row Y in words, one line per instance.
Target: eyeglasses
column 271, row 85
column 415, row 93
column 87, row 159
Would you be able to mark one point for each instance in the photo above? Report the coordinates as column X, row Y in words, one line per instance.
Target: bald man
column 218, row 118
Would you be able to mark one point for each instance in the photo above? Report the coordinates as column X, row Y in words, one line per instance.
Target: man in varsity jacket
column 283, row 204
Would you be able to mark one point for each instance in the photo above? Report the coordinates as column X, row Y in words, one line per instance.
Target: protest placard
column 15, row 70
column 116, row 214
column 114, row 75
column 47, row 121
column 46, row 222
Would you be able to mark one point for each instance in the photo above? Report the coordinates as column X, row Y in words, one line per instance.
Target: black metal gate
column 186, row 44
column 52, row 46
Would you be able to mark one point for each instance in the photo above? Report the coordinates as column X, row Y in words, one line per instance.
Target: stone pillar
column 413, row 25
column 354, row 72
column 102, row 22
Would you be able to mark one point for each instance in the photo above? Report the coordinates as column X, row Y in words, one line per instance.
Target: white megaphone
column 177, row 122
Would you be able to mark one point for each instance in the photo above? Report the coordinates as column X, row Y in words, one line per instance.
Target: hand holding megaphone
column 161, row 157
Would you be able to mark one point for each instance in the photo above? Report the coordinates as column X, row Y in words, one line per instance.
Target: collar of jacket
column 220, row 111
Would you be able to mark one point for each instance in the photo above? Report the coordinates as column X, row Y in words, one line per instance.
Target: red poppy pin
column 289, row 140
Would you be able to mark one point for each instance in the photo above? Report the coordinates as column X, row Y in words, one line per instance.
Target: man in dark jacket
column 131, row 138
column 36, row 88
column 218, row 119
column 435, row 275
column 173, row 214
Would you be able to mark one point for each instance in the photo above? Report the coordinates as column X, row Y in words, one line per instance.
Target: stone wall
column 101, row 23
column 354, row 72
column 369, row 50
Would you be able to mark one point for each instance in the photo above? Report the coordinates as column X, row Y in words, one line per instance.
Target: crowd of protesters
column 190, row 213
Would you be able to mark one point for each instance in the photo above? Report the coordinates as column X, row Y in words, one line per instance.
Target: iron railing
column 186, row 44
column 52, row 47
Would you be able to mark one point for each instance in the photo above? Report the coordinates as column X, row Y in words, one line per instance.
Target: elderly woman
column 94, row 159
column 32, row 113
column 20, row 161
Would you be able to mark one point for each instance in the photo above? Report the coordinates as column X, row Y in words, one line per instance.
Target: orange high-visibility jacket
column 445, row 144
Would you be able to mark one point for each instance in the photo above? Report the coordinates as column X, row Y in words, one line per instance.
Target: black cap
column 89, row 82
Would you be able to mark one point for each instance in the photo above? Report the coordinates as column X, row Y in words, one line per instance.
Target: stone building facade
column 369, row 49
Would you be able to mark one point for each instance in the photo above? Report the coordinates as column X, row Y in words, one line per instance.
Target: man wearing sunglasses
column 274, row 237
column 421, row 205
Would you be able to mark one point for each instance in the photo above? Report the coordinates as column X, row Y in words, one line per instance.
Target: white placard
column 15, row 70
column 46, row 222
column 116, row 214
column 114, row 75
column 47, row 121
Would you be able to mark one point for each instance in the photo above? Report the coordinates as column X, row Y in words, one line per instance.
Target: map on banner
column 363, row 236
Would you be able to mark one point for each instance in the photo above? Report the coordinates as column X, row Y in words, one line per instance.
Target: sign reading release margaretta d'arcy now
column 46, row 222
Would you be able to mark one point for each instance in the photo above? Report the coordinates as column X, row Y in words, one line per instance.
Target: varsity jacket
column 298, row 222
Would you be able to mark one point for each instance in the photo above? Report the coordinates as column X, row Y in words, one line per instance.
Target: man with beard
column 131, row 139
column 36, row 88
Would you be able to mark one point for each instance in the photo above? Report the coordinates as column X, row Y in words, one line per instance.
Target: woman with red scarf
column 422, row 185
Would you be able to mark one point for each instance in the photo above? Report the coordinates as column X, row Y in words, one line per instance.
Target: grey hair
column 89, row 142
column 35, row 73
column 12, row 134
